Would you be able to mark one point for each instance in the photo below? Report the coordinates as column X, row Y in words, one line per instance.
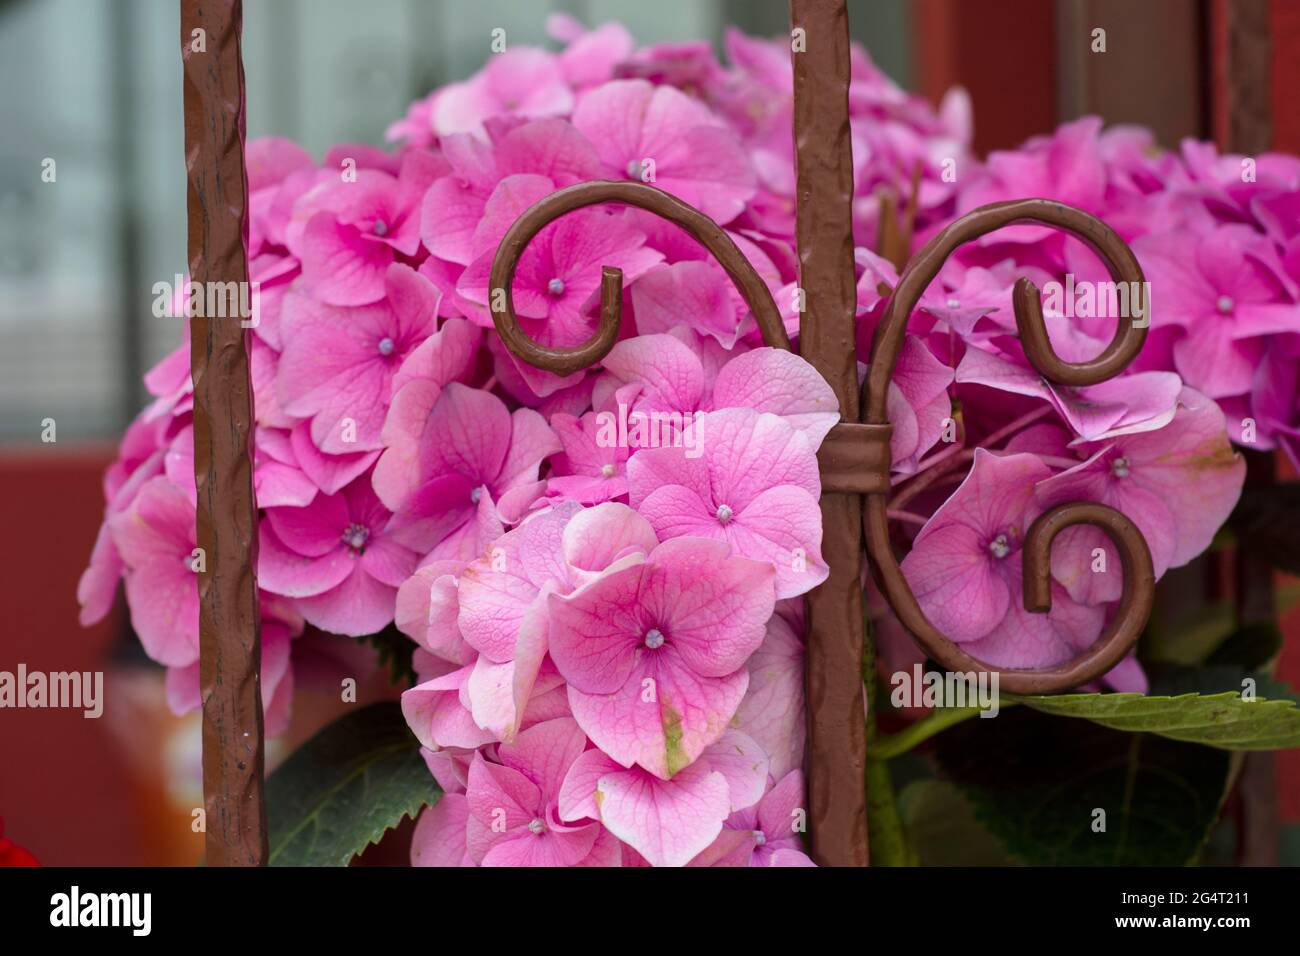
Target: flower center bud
column 1119, row 467
column 759, row 838
column 634, row 169
column 1225, row 304
column 537, row 825
column 654, row 638
column 386, row 346
column 475, row 494
column 355, row 536
column 954, row 304
column 999, row 547
column 555, row 287
column 609, row 471
column 380, row 227
column 725, row 513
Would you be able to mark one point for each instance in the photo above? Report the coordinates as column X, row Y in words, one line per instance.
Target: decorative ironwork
column 230, row 650
column 854, row 458
column 1138, row 575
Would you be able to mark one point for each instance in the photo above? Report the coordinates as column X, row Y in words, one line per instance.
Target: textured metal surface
column 704, row 230
column 854, row 458
column 230, row 649
column 837, row 812
column 1139, row 580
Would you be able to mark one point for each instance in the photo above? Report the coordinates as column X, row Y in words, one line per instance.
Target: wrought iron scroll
column 226, row 514
column 1126, row 624
column 563, row 361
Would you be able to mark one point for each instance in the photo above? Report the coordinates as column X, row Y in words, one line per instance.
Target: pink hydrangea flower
column 1177, row 484
column 157, row 541
column 558, row 277
column 503, row 610
column 338, row 363
column 350, row 230
column 965, row 569
column 455, row 205
column 338, row 558
column 513, row 806
column 765, row 834
column 654, row 654
column 1227, row 293
column 772, row 711
column 754, row 485
column 522, row 81
column 667, row 822
column 472, row 458
column 643, row 131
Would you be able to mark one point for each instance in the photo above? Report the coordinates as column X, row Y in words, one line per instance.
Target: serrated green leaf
column 345, row 787
column 1222, row 720
column 1039, row 782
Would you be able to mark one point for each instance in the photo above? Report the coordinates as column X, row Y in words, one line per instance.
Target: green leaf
column 1222, row 720
column 345, row 787
column 942, row 828
column 1267, row 520
column 1038, row 782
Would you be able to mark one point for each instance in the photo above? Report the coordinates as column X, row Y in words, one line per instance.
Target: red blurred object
column 11, row 854
column 1005, row 56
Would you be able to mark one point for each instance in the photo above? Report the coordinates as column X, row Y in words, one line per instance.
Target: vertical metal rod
column 230, row 645
column 824, row 165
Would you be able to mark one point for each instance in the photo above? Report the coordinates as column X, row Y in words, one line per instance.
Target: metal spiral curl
column 563, row 361
column 1135, row 605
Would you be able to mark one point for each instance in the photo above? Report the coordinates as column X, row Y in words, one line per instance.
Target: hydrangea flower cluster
column 602, row 572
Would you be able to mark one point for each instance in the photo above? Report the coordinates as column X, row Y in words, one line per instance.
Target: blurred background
column 95, row 86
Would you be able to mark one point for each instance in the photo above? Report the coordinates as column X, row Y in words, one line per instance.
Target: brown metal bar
column 1139, row 578
column 229, row 638
column 837, row 753
column 1248, row 124
column 704, row 230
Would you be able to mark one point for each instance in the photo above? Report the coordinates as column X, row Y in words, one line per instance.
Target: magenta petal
column 743, row 763
column 666, row 821
column 437, row 717
column 360, row 605
column 663, row 717
column 282, row 570
column 439, row 838
column 341, row 267
column 595, row 632
column 780, row 382
column 314, row 530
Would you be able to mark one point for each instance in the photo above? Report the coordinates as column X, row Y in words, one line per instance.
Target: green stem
column 888, row 839
column 891, row 745
column 889, row 846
